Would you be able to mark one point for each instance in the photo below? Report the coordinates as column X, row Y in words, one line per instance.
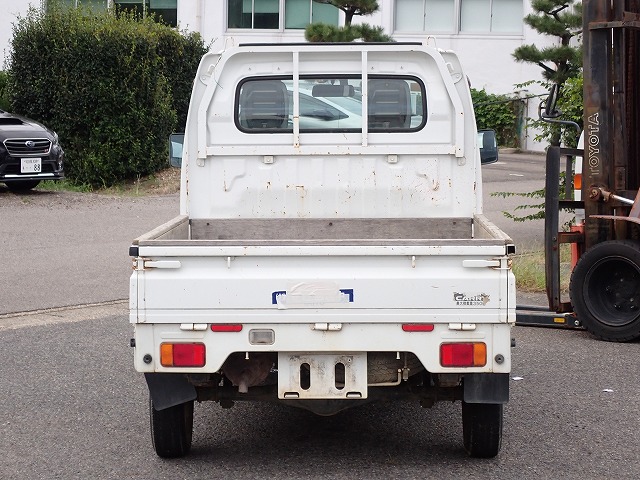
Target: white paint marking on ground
column 52, row 316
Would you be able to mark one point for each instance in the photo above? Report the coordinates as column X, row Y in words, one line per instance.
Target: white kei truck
column 331, row 248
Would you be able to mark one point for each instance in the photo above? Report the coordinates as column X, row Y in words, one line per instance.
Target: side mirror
column 488, row 145
column 550, row 110
column 176, row 141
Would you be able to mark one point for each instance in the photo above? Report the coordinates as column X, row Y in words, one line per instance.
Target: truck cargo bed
column 314, row 231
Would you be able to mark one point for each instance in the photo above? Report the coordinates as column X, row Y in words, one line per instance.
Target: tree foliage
column 372, row 34
column 112, row 86
column 321, row 32
column 500, row 113
column 558, row 18
column 571, row 107
column 4, row 91
column 353, row 8
column 559, row 63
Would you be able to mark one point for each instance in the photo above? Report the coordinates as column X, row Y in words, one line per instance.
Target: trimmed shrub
column 500, row 113
column 4, row 92
column 101, row 81
column 180, row 54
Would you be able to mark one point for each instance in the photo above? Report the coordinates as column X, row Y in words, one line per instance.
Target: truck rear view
column 331, row 248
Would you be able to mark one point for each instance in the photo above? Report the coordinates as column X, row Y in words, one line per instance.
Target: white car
column 325, row 113
column 322, row 113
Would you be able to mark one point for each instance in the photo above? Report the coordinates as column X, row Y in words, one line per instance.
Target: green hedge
column 180, row 54
column 112, row 86
column 501, row 113
column 4, row 91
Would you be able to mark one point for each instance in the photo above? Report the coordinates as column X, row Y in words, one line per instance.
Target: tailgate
column 287, row 283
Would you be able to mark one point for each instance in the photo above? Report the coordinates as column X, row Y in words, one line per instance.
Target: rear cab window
column 331, row 104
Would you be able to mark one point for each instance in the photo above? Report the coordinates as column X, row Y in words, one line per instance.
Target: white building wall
column 10, row 11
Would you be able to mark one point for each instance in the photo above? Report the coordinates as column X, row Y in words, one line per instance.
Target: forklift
column 604, row 288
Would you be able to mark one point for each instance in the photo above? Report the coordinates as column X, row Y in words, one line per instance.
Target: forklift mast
column 611, row 161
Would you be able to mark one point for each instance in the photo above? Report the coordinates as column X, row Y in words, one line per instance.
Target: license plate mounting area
column 322, row 376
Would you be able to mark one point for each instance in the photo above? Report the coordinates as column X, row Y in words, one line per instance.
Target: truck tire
column 482, row 429
column 22, row 185
column 605, row 290
column 172, row 429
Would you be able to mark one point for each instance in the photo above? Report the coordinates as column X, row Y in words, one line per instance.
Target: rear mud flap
column 169, row 389
column 486, row 388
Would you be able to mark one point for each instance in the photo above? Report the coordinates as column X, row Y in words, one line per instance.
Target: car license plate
column 31, row 165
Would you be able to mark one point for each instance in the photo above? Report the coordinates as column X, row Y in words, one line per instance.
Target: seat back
column 389, row 104
column 263, row 104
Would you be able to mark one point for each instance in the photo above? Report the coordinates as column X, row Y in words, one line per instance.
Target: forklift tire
column 482, row 429
column 605, row 290
column 172, row 429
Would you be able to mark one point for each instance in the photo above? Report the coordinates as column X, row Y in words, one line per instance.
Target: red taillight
column 182, row 354
column 226, row 327
column 463, row 354
column 417, row 327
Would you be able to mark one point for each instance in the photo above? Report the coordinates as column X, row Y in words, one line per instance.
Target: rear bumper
column 314, row 338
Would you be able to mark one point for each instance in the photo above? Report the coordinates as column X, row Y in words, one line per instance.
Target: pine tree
column 320, row 32
column 559, row 18
column 353, row 8
column 562, row 19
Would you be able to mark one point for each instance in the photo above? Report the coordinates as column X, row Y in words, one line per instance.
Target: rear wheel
column 482, row 429
column 605, row 290
column 172, row 429
column 22, row 185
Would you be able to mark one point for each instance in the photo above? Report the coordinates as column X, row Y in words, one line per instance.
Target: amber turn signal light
column 182, row 354
column 463, row 354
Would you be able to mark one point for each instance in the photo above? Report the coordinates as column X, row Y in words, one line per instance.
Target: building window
column 266, row 14
column 257, row 14
column 165, row 10
column 300, row 13
column 459, row 16
column 93, row 5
